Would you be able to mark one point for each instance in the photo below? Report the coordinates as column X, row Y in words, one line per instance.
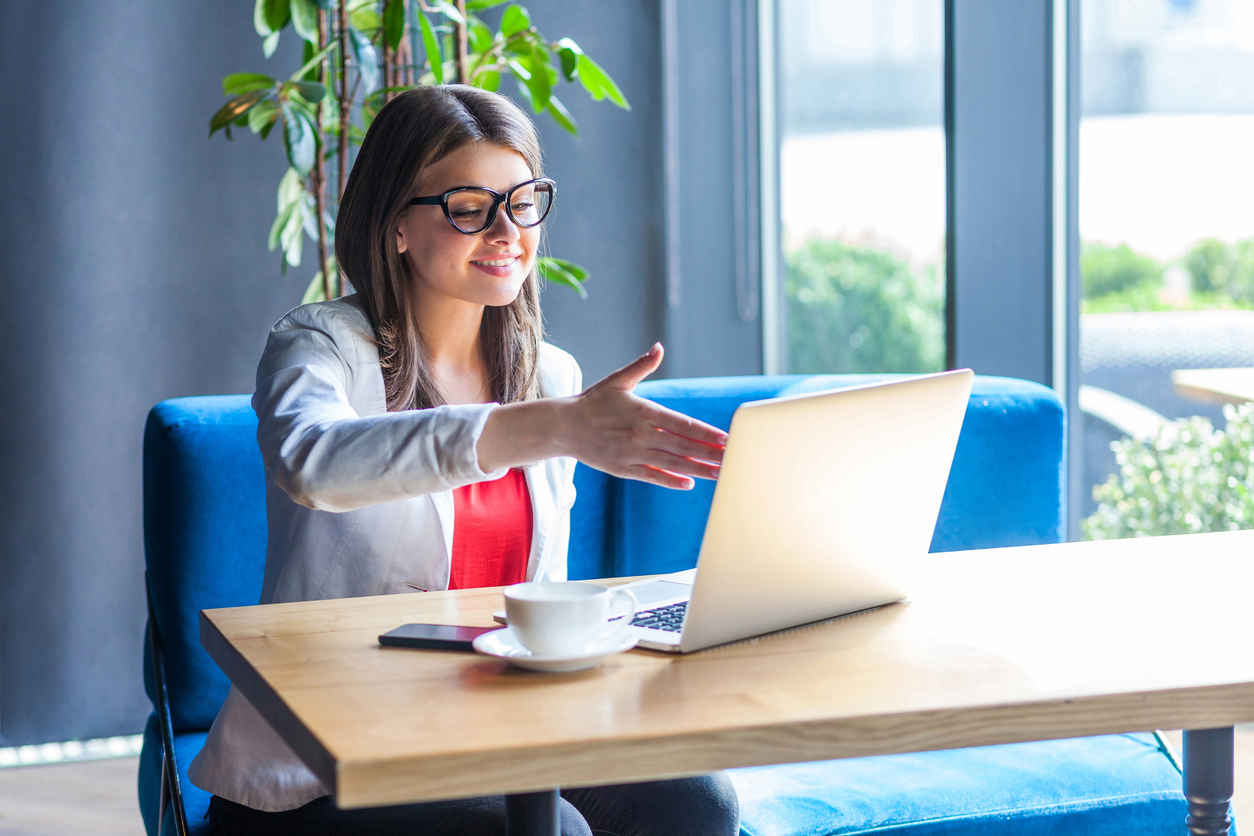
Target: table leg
column 534, row 814
column 1208, row 780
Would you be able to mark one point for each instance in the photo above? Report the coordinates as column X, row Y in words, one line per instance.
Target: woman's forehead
column 482, row 164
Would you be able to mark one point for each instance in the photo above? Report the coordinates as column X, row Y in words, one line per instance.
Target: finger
column 659, row 477
column 680, row 446
column 637, row 370
column 682, row 425
column 679, row 464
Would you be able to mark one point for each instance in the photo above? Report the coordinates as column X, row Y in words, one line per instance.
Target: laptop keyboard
column 669, row 618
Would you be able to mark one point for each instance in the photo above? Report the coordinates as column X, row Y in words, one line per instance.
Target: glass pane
column 863, row 184
column 1167, row 259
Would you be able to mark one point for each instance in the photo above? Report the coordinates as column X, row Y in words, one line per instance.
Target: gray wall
column 132, row 252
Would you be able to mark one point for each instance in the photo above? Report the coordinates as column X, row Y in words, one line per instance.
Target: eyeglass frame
column 498, row 198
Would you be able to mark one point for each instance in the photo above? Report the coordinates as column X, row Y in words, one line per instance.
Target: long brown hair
column 417, row 128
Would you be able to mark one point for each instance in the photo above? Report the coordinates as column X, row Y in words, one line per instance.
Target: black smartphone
column 434, row 636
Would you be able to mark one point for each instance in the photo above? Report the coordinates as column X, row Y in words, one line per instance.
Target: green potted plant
column 357, row 54
column 1190, row 478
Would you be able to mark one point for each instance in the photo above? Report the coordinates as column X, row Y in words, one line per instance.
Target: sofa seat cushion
column 1117, row 785
column 195, row 800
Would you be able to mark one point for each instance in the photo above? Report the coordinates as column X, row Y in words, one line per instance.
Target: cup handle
column 614, row 626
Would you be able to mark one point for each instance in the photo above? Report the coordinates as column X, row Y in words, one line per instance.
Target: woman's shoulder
column 339, row 325
column 560, row 374
column 345, row 315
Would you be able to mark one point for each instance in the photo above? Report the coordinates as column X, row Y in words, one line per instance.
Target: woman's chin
column 501, row 295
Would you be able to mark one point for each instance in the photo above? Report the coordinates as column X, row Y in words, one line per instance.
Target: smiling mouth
column 496, row 262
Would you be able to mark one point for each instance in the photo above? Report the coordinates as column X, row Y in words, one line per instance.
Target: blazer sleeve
column 323, row 454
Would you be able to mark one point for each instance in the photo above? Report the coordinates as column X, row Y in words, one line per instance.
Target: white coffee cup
column 554, row 618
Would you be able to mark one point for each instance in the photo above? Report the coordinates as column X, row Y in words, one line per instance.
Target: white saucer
column 505, row 645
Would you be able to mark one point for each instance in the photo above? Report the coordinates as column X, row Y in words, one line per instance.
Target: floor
column 93, row 798
column 84, row 798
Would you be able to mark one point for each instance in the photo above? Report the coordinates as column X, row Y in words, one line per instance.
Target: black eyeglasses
column 472, row 210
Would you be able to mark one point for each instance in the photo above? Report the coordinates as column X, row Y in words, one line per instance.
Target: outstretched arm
column 608, row 427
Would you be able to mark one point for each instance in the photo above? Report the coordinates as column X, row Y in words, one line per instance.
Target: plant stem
column 387, row 57
column 320, row 168
column 345, row 101
column 460, row 38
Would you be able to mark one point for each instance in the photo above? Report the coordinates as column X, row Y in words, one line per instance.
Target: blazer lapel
column 542, row 514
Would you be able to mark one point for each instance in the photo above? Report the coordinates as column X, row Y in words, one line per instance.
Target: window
column 862, row 185
column 1167, row 260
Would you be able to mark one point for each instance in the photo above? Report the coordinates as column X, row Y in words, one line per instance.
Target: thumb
column 629, row 375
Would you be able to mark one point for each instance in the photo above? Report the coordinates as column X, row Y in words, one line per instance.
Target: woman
column 419, row 435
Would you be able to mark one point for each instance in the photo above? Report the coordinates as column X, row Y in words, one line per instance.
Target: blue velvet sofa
column 205, row 541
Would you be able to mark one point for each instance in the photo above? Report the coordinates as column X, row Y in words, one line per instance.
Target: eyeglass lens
column 469, row 208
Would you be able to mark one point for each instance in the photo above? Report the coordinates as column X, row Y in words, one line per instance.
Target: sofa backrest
column 1006, row 486
column 204, row 536
column 205, row 517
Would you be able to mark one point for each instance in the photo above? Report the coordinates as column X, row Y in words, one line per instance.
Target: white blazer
column 359, row 502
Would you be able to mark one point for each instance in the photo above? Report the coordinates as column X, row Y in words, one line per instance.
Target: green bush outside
column 1118, row 279
column 1223, row 269
column 1191, row 478
column 1146, row 298
column 858, row 309
column 1105, row 270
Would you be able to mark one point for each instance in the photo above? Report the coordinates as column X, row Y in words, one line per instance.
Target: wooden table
column 1217, row 386
column 995, row 646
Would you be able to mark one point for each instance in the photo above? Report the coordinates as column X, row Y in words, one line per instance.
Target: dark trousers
column 701, row 806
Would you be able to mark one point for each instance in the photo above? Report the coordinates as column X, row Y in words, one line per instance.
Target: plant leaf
column 290, row 234
column 598, row 83
column 480, row 5
column 310, row 91
column 311, row 62
column 315, row 292
column 487, row 79
column 364, row 19
column 394, row 22
column 561, row 115
column 234, row 109
column 555, row 270
column 237, row 83
column 541, row 88
column 570, row 63
column 276, row 13
column 523, row 90
column 519, row 70
column 479, row 36
column 367, row 61
column 432, row 49
column 447, row 9
column 276, row 228
column 259, row 19
column 515, row 20
column 305, row 19
column 571, row 267
column 270, row 44
column 298, row 139
column 262, row 116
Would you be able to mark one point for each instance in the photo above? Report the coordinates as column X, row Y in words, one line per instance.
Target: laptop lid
column 820, row 498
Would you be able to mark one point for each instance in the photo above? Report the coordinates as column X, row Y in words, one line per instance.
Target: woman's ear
column 401, row 246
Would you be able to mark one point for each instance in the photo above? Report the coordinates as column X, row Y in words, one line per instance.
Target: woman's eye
column 466, row 213
column 523, row 206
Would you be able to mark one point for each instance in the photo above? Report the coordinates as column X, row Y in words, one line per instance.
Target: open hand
column 611, row 428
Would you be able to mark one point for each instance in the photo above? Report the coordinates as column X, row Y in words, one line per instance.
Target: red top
column 491, row 532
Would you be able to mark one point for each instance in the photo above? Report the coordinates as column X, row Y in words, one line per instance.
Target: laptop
column 821, row 499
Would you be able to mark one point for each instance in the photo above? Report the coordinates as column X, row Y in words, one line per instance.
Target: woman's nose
column 502, row 228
